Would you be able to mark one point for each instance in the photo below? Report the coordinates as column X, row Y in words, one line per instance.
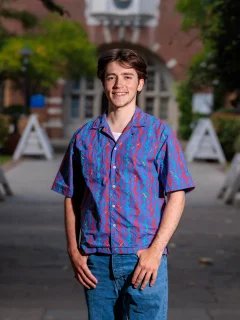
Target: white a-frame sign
column 231, row 185
column 204, row 143
column 34, row 141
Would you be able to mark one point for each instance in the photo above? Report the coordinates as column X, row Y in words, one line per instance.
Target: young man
column 124, row 178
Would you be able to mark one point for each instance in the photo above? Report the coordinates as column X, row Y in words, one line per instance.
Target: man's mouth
column 119, row 93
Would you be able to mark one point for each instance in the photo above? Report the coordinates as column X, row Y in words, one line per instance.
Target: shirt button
column 114, row 186
column 114, row 167
column 115, row 148
column 114, row 225
column 113, row 205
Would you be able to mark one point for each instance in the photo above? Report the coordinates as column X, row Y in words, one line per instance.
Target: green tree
column 60, row 48
column 218, row 24
column 27, row 19
column 217, row 65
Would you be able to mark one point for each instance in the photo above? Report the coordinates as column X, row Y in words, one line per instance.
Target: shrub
column 184, row 99
column 237, row 144
column 227, row 126
column 14, row 112
column 4, row 128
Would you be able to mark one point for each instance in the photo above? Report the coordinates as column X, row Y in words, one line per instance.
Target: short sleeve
column 63, row 182
column 173, row 171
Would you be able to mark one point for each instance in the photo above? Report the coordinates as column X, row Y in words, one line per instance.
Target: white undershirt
column 116, row 135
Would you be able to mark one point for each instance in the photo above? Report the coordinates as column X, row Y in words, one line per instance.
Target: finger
column 153, row 279
column 91, row 283
column 82, row 282
column 139, row 279
column 89, row 274
column 79, row 268
column 138, row 253
column 145, row 281
column 136, row 274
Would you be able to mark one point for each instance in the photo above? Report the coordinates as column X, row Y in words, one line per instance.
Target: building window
column 82, row 97
column 85, row 95
column 163, row 84
column 89, row 83
column 76, row 84
column 88, row 107
column 75, row 106
column 149, row 105
column 122, row 4
column 155, row 95
column 163, row 112
column 151, row 80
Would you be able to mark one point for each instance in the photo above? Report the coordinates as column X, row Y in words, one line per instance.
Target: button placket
column 113, row 187
column 112, row 194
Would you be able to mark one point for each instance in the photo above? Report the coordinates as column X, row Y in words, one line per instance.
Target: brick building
column 152, row 27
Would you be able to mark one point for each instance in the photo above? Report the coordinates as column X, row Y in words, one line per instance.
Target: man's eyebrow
column 124, row 73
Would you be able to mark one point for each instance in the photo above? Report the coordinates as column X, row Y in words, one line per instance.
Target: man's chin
column 119, row 106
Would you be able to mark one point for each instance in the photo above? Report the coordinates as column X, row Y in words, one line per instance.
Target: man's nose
column 118, row 82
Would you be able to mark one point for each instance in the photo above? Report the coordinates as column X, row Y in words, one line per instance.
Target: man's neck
column 119, row 118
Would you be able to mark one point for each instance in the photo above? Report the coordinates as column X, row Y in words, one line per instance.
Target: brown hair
column 126, row 57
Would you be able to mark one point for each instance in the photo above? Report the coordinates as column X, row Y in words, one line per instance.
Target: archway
column 85, row 99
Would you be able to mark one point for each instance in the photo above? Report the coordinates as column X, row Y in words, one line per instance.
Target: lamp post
column 26, row 53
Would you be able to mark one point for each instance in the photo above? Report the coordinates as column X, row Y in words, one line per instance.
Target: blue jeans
column 114, row 297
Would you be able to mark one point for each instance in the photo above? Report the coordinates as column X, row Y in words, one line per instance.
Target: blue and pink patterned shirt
column 119, row 187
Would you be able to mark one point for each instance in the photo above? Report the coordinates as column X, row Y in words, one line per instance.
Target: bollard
column 5, row 185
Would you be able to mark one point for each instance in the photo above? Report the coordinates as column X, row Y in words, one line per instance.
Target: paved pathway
column 36, row 281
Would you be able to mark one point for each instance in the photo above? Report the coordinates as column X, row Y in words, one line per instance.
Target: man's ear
column 140, row 85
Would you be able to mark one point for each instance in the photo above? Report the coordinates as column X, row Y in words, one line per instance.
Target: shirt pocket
column 92, row 166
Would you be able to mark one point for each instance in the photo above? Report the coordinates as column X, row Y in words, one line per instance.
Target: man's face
column 121, row 85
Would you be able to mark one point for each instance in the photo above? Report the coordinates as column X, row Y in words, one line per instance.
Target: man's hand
column 147, row 268
column 82, row 272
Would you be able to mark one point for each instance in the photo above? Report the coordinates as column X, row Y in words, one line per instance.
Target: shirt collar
column 138, row 120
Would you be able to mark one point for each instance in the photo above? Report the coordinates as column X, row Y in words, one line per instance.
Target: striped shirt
column 119, row 187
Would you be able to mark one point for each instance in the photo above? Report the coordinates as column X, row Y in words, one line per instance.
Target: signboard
column 231, row 184
column 202, row 103
column 37, row 101
column 34, row 141
column 204, row 143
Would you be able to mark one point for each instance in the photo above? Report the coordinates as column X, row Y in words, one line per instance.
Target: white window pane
column 76, row 84
column 88, row 106
column 75, row 106
column 149, row 105
column 163, row 84
column 163, row 113
column 89, row 83
column 150, row 81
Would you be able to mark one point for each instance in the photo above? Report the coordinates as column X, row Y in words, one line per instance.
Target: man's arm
column 79, row 261
column 150, row 258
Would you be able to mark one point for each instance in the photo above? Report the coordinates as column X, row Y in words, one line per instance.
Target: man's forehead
column 118, row 67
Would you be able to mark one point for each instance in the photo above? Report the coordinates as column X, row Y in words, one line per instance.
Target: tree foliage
column 60, row 48
column 218, row 22
column 217, row 65
column 27, row 19
column 54, row 7
column 194, row 13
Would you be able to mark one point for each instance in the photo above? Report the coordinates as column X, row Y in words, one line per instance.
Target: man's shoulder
column 157, row 127
column 157, row 123
column 86, row 127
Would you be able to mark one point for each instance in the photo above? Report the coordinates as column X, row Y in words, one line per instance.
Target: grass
column 4, row 159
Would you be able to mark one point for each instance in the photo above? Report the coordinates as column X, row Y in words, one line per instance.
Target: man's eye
column 110, row 78
column 128, row 77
